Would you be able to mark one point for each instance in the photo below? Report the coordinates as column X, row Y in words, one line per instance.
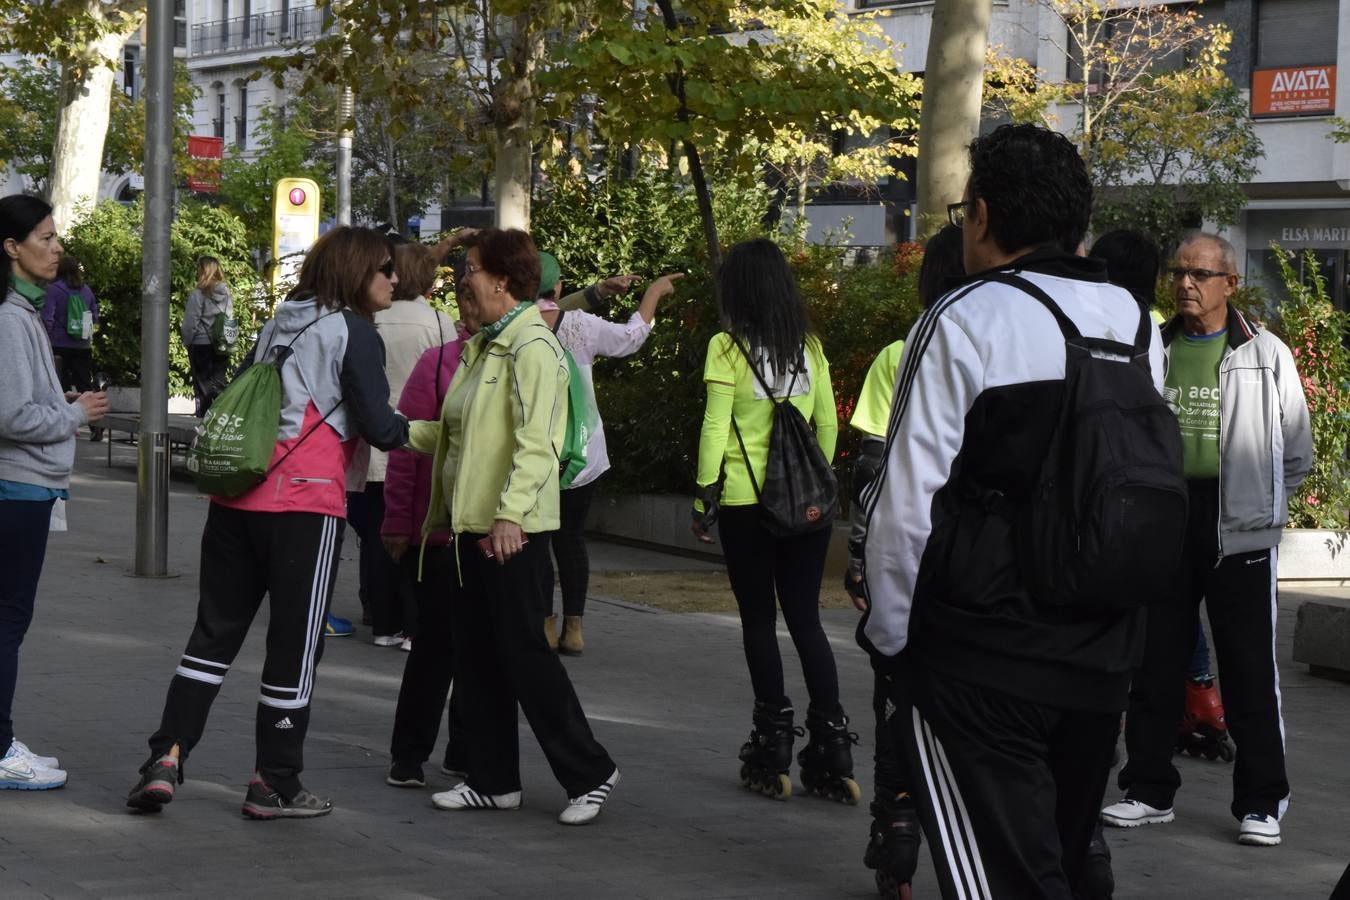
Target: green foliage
column 1315, row 332
column 108, row 242
column 285, row 150
column 66, row 30
column 29, row 103
column 649, row 225
column 1340, row 130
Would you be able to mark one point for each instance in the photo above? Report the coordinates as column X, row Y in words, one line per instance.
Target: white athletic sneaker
column 47, row 762
column 19, row 773
column 461, row 796
column 1257, row 830
column 1131, row 813
column 388, row 640
column 580, row 810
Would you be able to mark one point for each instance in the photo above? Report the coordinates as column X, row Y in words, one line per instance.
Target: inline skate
column 1203, row 729
column 893, row 850
column 767, row 755
column 826, row 761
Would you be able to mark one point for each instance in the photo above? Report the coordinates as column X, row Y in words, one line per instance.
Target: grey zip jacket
column 1265, row 437
column 37, row 425
column 200, row 311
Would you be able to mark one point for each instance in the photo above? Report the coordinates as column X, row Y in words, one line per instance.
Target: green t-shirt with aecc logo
column 1192, row 392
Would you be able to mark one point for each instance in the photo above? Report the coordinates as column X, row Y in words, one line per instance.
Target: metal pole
column 152, row 483
column 344, row 155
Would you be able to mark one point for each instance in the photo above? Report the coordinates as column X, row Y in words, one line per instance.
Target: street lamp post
column 152, row 482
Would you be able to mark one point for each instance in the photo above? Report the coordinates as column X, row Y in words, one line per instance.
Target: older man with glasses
column 1247, row 445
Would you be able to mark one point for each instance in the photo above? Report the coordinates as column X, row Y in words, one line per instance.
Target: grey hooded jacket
column 37, row 425
column 200, row 311
column 1265, row 437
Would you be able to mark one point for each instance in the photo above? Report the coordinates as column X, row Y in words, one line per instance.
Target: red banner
column 1294, row 91
column 205, row 153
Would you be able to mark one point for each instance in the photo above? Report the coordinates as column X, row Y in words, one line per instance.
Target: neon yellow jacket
column 497, row 443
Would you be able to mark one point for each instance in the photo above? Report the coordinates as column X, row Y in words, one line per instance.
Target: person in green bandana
column 38, row 421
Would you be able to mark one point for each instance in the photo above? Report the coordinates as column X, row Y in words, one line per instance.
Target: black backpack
column 800, row 494
column 1104, row 526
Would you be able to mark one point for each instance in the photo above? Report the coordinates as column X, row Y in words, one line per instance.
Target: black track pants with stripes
column 1007, row 789
column 1240, row 597
column 292, row 559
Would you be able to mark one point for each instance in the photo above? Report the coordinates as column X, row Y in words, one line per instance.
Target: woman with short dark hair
column 496, row 452
column 37, row 451
column 282, row 538
column 768, row 354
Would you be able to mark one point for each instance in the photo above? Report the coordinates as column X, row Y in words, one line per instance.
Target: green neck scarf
column 29, row 291
column 497, row 327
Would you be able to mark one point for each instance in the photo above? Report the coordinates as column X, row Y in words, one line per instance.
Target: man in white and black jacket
column 1009, row 710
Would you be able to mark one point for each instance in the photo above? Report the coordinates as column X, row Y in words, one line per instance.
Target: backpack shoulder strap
column 760, row 378
column 1012, row 279
column 749, row 469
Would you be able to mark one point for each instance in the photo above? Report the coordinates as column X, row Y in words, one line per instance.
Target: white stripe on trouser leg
column 199, row 676
column 1275, row 667
column 318, row 599
column 954, row 845
column 968, row 827
column 207, row 662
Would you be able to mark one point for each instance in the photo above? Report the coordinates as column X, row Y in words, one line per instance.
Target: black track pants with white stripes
column 1007, row 789
column 292, row 559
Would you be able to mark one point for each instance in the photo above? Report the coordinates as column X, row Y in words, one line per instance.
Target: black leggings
column 761, row 566
column 569, row 547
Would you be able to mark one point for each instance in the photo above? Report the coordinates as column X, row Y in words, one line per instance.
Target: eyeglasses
column 1199, row 276
column 387, row 270
column 956, row 212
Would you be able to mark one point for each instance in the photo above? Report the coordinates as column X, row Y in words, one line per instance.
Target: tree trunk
column 949, row 119
column 512, row 173
column 81, row 127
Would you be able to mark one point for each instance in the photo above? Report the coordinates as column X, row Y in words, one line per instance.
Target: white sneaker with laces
column 580, row 810
column 1258, row 830
column 19, row 773
column 1131, row 813
column 388, row 640
column 461, row 796
column 47, row 762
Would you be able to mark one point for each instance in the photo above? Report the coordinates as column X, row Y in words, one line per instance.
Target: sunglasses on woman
column 387, row 270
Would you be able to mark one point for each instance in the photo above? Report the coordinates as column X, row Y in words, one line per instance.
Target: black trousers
column 768, row 572
column 428, row 672
column 569, row 547
column 1239, row 595
column 890, row 773
column 291, row 558
column 74, row 367
column 389, row 590
column 210, row 371
column 23, row 534
column 501, row 660
column 1007, row 789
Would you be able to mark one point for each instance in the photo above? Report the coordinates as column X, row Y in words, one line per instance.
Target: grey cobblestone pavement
column 666, row 693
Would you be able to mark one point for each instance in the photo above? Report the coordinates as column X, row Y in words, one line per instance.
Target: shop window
column 1296, row 32
column 1263, row 270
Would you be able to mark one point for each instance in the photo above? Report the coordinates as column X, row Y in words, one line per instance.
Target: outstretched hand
column 615, row 284
column 664, row 286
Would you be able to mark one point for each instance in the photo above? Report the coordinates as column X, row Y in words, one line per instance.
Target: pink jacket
column 407, row 480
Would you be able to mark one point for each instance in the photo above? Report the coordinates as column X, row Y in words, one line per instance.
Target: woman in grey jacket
column 37, row 449
column 209, row 300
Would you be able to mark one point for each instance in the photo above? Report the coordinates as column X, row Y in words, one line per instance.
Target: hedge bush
column 652, row 402
column 108, row 242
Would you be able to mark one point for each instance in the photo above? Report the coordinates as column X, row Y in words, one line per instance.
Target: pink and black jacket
column 333, row 393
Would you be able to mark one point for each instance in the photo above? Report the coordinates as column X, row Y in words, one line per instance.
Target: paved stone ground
column 666, row 693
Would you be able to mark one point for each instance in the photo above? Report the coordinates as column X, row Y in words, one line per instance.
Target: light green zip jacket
column 511, row 391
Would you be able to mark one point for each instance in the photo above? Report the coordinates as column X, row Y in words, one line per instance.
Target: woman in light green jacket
column 496, row 452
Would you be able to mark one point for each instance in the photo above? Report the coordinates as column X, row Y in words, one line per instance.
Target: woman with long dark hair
column 768, row 354
column 282, row 538
column 37, row 451
column 70, row 312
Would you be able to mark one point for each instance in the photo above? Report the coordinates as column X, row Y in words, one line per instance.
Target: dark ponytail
column 20, row 214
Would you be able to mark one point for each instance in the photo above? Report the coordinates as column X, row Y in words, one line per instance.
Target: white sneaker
column 388, row 640
column 19, row 773
column 406, row 646
column 1132, row 813
column 580, row 810
column 47, row 762
column 461, row 796
column 1257, row 830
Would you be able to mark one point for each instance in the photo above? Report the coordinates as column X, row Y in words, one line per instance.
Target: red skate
column 1203, row 730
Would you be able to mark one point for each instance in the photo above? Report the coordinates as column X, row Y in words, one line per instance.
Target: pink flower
column 1312, row 499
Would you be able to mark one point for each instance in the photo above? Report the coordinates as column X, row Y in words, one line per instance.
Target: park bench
column 125, row 416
